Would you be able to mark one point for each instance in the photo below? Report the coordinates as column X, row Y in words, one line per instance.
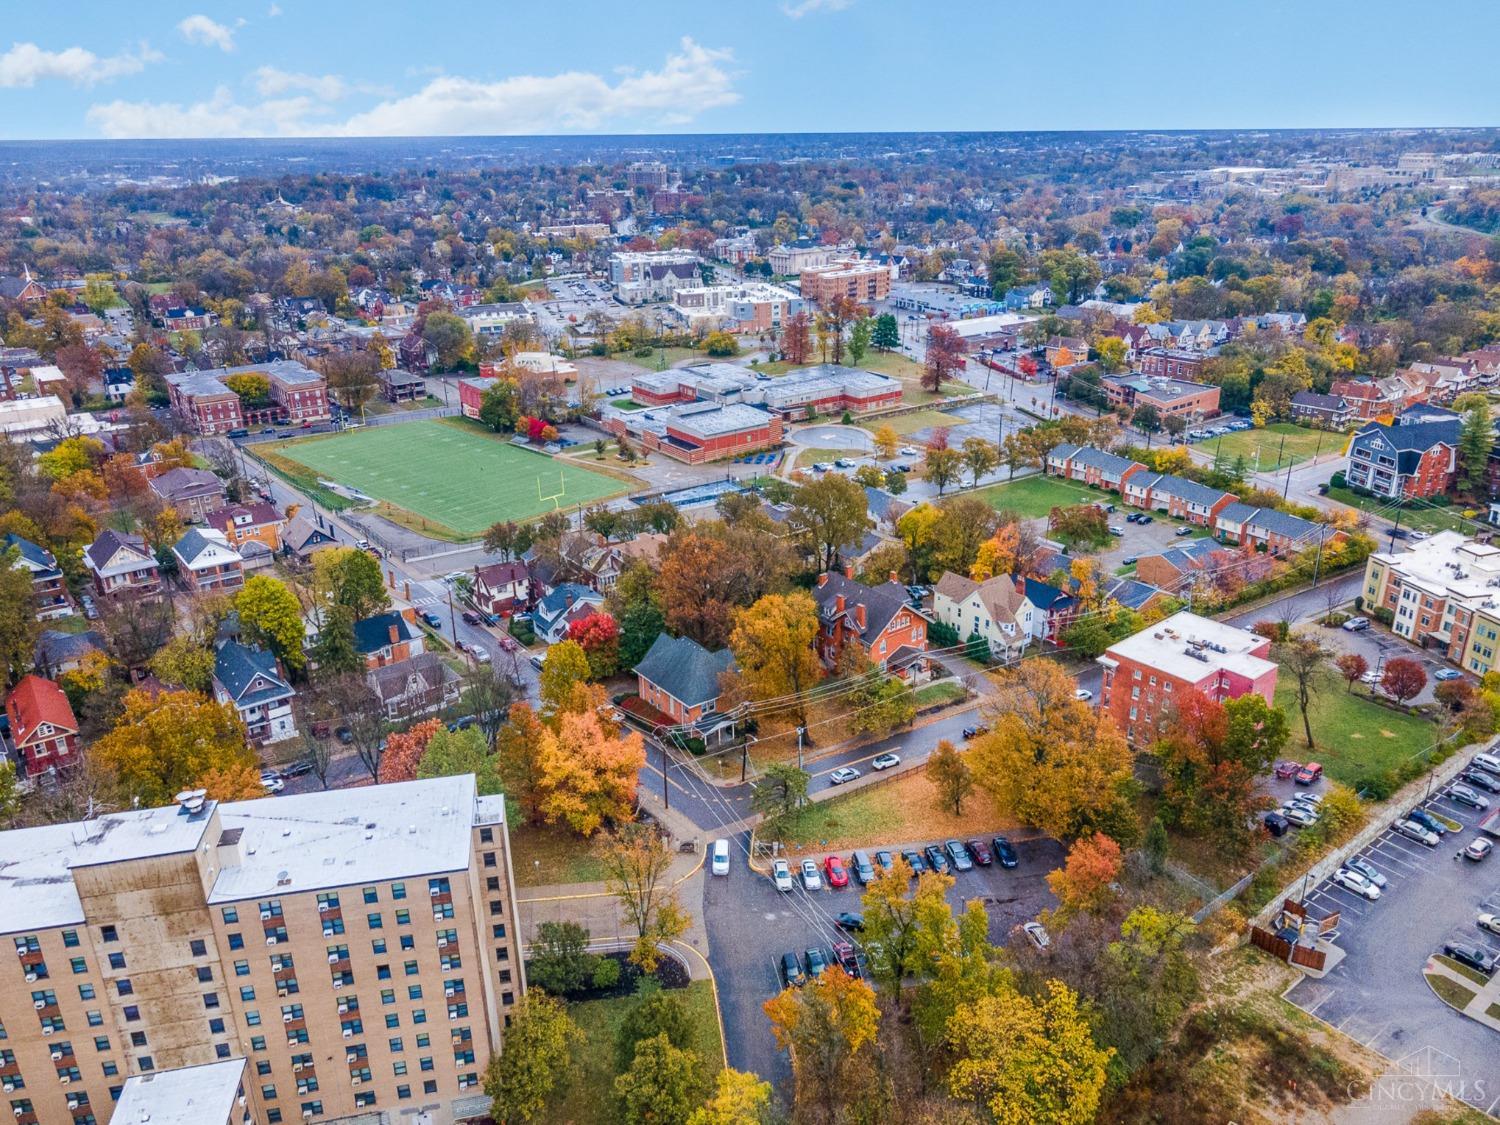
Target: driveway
column 832, row 437
column 1377, row 994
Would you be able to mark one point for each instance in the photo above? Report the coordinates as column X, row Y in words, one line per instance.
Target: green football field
column 463, row 480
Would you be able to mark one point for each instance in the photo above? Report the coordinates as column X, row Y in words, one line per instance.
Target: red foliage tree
column 796, row 339
column 598, row 634
column 1352, row 666
column 1027, row 366
column 404, row 750
column 1083, row 884
column 1403, row 679
column 945, row 356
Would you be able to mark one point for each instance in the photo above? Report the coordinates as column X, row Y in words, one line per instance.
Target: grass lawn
column 592, row 1096
column 1355, row 737
column 807, row 457
column 944, row 691
column 1035, row 497
column 628, row 404
column 674, row 357
column 1449, row 991
column 1418, row 518
column 542, row 856
column 891, row 363
column 1301, row 443
column 451, row 478
column 896, row 812
column 905, row 424
column 1461, row 969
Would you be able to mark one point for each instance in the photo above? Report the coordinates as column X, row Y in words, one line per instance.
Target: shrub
column 1337, row 480
column 606, row 973
column 942, row 635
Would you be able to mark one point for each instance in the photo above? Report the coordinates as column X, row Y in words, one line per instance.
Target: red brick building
column 42, row 726
column 1145, row 676
column 880, row 619
column 204, row 401
column 859, row 280
column 1170, row 363
column 702, row 431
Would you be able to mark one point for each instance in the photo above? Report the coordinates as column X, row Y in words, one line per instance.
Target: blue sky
column 326, row 67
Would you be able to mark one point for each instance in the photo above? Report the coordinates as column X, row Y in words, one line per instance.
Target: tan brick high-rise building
column 357, row 949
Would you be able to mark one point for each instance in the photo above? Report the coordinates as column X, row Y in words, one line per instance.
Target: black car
column 791, row 971
column 296, row 769
column 914, row 860
column 1004, row 852
column 1470, row 955
column 470, row 617
column 849, row 920
column 975, row 732
column 1480, row 779
column 344, row 735
column 1428, row 821
column 936, row 858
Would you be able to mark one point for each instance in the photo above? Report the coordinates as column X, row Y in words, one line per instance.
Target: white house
column 997, row 610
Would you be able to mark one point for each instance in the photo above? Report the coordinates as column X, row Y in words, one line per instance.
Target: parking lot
column 1377, row 993
column 751, row 924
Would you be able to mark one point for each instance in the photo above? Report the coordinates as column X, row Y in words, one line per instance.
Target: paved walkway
column 1485, row 998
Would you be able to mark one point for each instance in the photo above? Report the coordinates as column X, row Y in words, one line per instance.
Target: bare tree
column 356, row 704
column 487, row 696
column 1303, row 656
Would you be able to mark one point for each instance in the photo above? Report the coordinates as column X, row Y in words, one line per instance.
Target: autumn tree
column 1403, row 679
column 637, row 865
column 404, row 750
column 1302, row 656
column 796, row 339
column 830, row 514
column 895, row 912
column 18, row 624
column 945, row 357
column 588, row 772
column 942, row 467
column 950, row 777
column 1051, row 760
column 183, row 662
column 518, row 748
column 349, row 577
column 453, row 753
column 1085, row 883
column 1352, row 666
column 887, row 441
column 166, row 742
column 1026, row 1060
column 566, row 665
column 781, row 791
column 527, row 1079
column 270, row 615
column 739, row 1098
column 1079, row 525
column 979, row 457
column 598, row 635
column 772, row 643
column 663, row 1084
column 825, row 1027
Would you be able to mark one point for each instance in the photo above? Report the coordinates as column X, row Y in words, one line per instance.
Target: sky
column 329, row 68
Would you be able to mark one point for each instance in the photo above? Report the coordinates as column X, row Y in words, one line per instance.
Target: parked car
column 781, row 875
column 719, row 865
column 903, row 468
column 908, row 451
column 1356, row 624
column 817, row 962
column 1356, row 883
column 1443, row 675
column 1463, row 795
column 811, row 880
column 834, row 872
column 536, row 660
column 936, row 859
column 1489, row 922
column 850, row 920
column 1004, row 852
column 1309, row 774
column 1371, row 678
column 272, row 781
column 344, row 735
column 1276, row 824
column 975, row 731
column 791, row 971
column 299, row 768
column 842, row 774
column 980, row 851
column 844, row 463
column 914, row 861
column 1428, row 821
column 1414, row 831
column 845, row 957
column 1300, row 815
column 1181, row 531
column 886, row 761
column 1486, row 781
column 1036, row 933
column 1131, row 561
column 959, row 855
column 1473, row 956
column 1479, row 849
column 862, row 868
column 1367, row 869
column 1485, row 762
column 480, row 654
column 1285, row 769
column 1083, row 695
column 885, row 860
column 1117, row 532
column 822, row 466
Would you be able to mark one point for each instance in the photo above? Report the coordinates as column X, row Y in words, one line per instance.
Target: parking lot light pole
column 801, row 731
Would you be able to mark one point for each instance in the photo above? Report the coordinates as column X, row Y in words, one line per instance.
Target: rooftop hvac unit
column 434, row 891
column 9, row 1087
column 296, row 1068
column 64, row 1079
column 355, row 1081
column 343, row 1008
column 452, row 1015
column 281, row 992
column 442, row 941
column 72, row 1103
column 351, row 1056
column 332, row 958
column 437, row 915
column 47, row 1030
column 291, row 1040
column 306, row 1113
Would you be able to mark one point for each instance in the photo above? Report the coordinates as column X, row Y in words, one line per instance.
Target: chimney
column 859, row 615
column 395, row 634
column 894, row 578
column 838, row 604
column 849, row 569
column 823, row 579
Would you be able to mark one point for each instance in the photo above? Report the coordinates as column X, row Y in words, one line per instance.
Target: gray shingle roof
column 237, row 667
column 684, row 669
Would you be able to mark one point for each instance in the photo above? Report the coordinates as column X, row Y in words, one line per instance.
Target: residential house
column 304, row 538
column 388, row 638
column 1027, row 297
column 880, row 619
column 193, row 492
column 397, row 385
column 680, row 678
column 560, row 607
column 1178, row 497
column 249, row 678
column 419, row 685
column 246, row 523
column 1269, row 531
column 206, row 561
column 1054, row 610
column 1145, row 675
column 1332, row 412
column 1066, row 351
column 43, row 730
column 122, row 565
column 885, row 510
column 1135, row 595
column 58, row 652
column 1404, row 462
column 1088, row 465
column 47, row 583
column 501, row 588
column 1377, row 398
column 996, row 609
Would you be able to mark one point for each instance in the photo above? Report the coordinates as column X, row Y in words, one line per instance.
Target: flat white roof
column 983, row 325
column 1449, row 564
column 189, row 1095
column 289, row 845
column 1166, row 648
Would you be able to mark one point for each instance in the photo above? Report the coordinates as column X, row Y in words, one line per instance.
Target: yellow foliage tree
column 169, row 741
column 887, row 441
column 587, row 774
column 824, row 1026
column 997, row 554
column 772, row 642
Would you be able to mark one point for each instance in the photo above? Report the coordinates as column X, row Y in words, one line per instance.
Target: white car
column 1357, row 883
column 1414, row 831
column 1489, row 922
column 272, row 782
column 1298, row 814
column 908, row 451
column 781, row 875
column 842, row 774
column 480, row 654
column 1083, row 695
column 1371, row 678
column 719, row 864
column 811, row 880
column 1036, row 933
column 886, row 761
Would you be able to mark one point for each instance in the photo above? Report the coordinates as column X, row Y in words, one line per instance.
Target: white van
column 719, row 863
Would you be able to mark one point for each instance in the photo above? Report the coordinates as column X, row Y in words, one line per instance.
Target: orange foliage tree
column 404, row 750
column 1083, row 884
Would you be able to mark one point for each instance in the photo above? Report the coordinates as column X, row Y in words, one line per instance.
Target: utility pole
column 801, row 731
column 666, row 795
column 452, row 617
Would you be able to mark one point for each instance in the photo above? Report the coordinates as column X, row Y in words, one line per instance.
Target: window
column 138, row 1039
column 95, row 1019
column 109, row 933
column 79, row 965
column 492, row 883
column 429, row 1087
column 408, row 942
column 242, row 968
column 372, row 894
column 403, row 1092
column 398, row 890
column 252, row 1018
column 377, row 946
column 236, row 941
column 248, row 992
column 489, row 859
column 231, row 914
column 418, row 1015
column 205, row 974
column 124, row 987
column 425, row 1062
column 257, row 1042
column 70, row 938
column 387, row 996
column 273, row 1117
column 414, row 992
column 268, row 1092
column 392, row 1019
column 210, row 1000
column 221, row 1050
column 498, row 930
column 145, row 1063
column 403, row 917
column 216, row 1026
column 198, row 948
column 374, row 921
column 398, row 1068
column 117, row 960
column 101, row 1042
column 487, row 835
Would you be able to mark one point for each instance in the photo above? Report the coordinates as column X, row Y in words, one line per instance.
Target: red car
column 1286, row 770
column 1309, row 774
column 980, row 852
column 834, row 872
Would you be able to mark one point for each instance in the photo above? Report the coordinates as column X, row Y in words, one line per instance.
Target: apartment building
column 292, row 933
column 649, row 275
column 1177, row 398
column 1404, row 461
column 47, row 583
column 857, row 279
column 1145, row 675
column 1444, row 594
column 791, row 259
column 756, row 307
column 204, row 401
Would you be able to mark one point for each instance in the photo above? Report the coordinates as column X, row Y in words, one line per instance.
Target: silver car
column 811, row 880
column 1357, row 883
column 781, row 875
column 1367, row 869
column 1414, row 831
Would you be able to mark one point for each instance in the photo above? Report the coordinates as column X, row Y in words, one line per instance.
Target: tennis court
column 462, row 480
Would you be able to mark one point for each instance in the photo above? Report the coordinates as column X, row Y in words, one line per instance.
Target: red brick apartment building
column 1146, row 675
column 204, row 401
column 861, row 281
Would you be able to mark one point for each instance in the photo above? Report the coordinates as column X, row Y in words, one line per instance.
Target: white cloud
column 692, row 79
column 26, row 64
column 274, row 11
column 270, row 82
column 808, row 7
column 207, row 33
